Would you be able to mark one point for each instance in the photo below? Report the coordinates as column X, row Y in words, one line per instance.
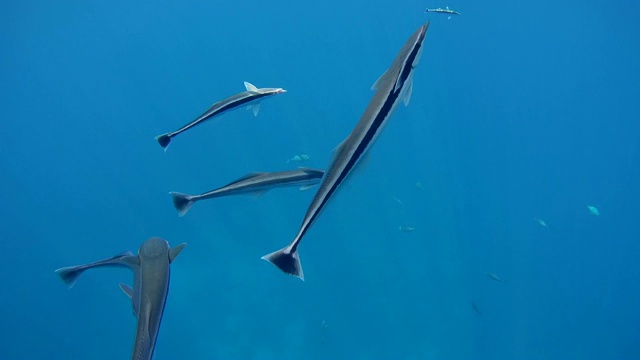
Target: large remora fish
column 252, row 183
column 150, row 287
column 249, row 99
column 393, row 87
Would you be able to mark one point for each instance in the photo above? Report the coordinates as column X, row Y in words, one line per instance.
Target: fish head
column 273, row 91
column 153, row 248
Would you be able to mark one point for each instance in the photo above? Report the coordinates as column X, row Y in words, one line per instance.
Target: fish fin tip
column 69, row 275
column 287, row 261
column 127, row 290
column 164, row 140
column 182, row 202
column 174, row 252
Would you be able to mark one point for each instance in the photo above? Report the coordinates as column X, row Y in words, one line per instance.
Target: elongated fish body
column 393, row 87
column 443, row 11
column 248, row 99
column 151, row 268
column 252, row 183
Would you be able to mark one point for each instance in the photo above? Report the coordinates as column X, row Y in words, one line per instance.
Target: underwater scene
column 284, row 180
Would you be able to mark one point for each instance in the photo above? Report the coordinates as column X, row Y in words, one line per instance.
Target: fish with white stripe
column 249, row 99
column 393, row 87
column 253, row 183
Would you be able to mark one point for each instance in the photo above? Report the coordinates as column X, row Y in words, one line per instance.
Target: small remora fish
column 406, row 228
column 249, row 99
column 393, row 87
column 150, row 287
column 541, row 222
column 495, row 277
column 443, row 11
column 475, row 307
column 299, row 158
column 252, row 183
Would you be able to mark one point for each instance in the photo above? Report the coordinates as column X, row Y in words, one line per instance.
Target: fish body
column 443, row 11
column 299, row 158
column 475, row 307
column 151, row 268
column 406, row 228
column 392, row 88
column 249, row 99
column 495, row 277
column 253, row 183
column 541, row 222
column 593, row 210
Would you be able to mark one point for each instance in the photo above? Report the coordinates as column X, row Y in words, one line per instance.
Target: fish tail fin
column 182, row 202
column 286, row 260
column 70, row 274
column 164, row 140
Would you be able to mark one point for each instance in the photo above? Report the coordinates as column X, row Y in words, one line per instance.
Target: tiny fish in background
column 397, row 200
column 475, row 307
column 299, row 158
column 406, row 228
column 446, row 10
column 593, row 210
column 495, row 277
column 323, row 331
column 419, row 185
column 541, row 222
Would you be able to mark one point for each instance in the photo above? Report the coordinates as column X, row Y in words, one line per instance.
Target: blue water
column 520, row 111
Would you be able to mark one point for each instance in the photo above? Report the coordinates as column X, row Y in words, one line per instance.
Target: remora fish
column 443, row 11
column 252, row 183
column 495, row 277
column 393, row 87
column 249, row 99
column 150, row 287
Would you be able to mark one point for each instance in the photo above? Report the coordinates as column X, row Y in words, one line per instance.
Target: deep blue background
column 519, row 111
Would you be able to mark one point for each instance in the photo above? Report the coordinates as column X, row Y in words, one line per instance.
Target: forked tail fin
column 286, row 260
column 164, row 140
column 182, row 202
column 70, row 274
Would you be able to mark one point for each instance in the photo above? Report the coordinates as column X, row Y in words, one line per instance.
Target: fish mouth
column 280, row 91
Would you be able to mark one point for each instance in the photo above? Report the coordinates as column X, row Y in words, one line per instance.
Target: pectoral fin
column 256, row 109
column 173, row 253
column 127, row 290
column 408, row 90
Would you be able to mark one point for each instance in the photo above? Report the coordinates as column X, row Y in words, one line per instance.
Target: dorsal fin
column 250, row 86
column 249, row 176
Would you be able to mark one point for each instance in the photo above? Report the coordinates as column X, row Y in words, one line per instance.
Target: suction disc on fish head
column 154, row 247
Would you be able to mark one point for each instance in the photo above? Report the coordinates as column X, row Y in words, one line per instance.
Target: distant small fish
column 495, row 277
column 397, row 200
column 443, row 11
column 299, row 158
column 475, row 307
column 419, row 185
column 323, row 331
column 593, row 210
column 541, row 222
column 406, row 228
